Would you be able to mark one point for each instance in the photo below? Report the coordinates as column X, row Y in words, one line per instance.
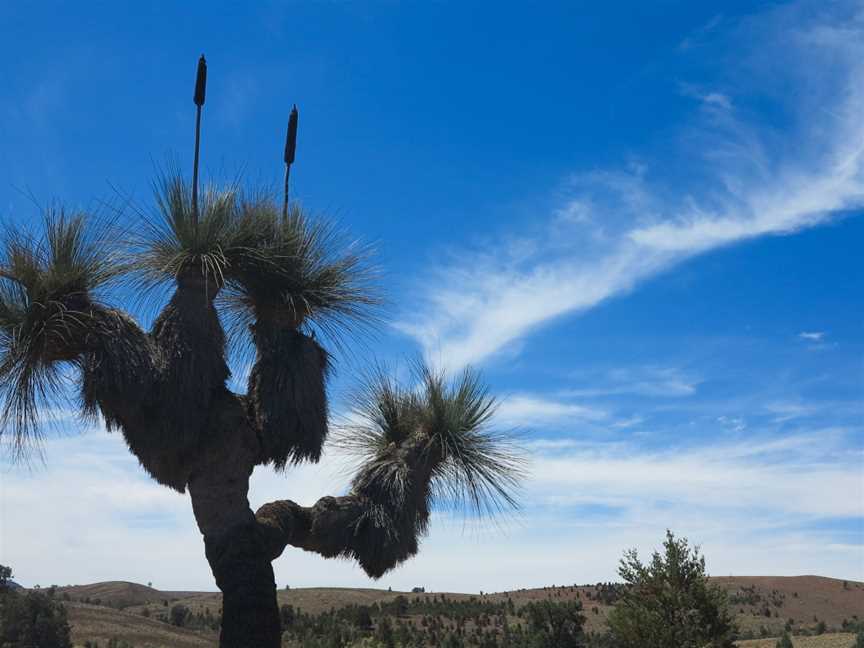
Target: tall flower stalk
column 290, row 149
column 198, row 98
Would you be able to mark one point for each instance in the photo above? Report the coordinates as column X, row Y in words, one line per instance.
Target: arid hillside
column 142, row 615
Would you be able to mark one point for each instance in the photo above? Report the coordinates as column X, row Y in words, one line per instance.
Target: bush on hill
column 31, row 620
column 669, row 602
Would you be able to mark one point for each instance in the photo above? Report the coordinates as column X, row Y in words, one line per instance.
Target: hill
column 120, row 594
column 100, row 623
column 763, row 605
column 772, row 600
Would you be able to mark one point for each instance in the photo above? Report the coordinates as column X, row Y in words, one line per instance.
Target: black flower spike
column 290, row 149
column 200, row 91
column 201, row 82
column 291, row 137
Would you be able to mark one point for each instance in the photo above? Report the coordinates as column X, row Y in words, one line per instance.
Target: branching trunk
column 166, row 392
column 378, row 524
column 325, row 528
column 234, row 545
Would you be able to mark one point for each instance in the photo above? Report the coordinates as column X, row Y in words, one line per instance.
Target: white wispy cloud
column 812, row 336
column 623, row 227
column 711, row 99
column 522, row 410
column 792, row 478
column 733, row 423
column 664, row 382
column 789, row 410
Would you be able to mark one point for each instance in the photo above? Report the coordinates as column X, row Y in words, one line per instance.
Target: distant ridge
column 113, row 590
column 130, row 611
column 123, row 594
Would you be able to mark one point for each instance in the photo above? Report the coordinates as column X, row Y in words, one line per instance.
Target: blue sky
column 641, row 221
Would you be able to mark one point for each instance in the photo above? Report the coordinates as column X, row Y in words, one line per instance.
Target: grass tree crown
column 418, row 448
column 449, row 423
column 49, row 282
column 279, row 270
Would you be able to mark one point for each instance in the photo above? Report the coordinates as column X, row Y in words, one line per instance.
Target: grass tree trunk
column 234, row 545
column 250, row 615
column 237, row 554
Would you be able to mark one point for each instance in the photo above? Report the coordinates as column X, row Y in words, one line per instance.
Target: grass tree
column 270, row 273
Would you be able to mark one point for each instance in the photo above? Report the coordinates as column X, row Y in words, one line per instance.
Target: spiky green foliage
column 48, row 284
column 296, row 270
column 418, row 448
column 292, row 271
column 450, row 424
column 481, row 467
column 172, row 244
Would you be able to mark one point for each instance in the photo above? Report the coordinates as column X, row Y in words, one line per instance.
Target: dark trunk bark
column 234, row 545
column 250, row 615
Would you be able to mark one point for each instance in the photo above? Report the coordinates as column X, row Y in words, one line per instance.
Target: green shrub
column 669, row 602
column 33, row 619
column 179, row 615
column 556, row 624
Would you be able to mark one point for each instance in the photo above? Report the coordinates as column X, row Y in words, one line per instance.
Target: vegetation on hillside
column 125, row 615
column 32, row 619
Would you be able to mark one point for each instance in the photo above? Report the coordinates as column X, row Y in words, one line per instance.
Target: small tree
column 179, row 615
column 669, row 602
column 859, row 639
column 384, row 633
column 556, row 624
column 5, row 577
column 33, row 619
column 286, row 616
column 115, row 642
column 785, row 641
column 362, row 618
